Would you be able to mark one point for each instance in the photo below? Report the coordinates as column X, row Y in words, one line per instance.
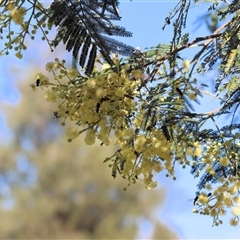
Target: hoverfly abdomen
column 195, row 200
column 38, row 82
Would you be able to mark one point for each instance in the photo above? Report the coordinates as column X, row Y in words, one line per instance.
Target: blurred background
column 50, row 188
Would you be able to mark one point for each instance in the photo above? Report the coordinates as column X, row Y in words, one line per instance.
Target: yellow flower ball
column 49, row 66
column 234, row 222
column 203, row 199
column 91, row 83
column 186, row 64
column 90, row 137
column 236, row 210
column 50, row 96
column 72, row 133
column 224, row 161
column 137, row 74
column 73, row 73
column 19, row 55
column 18, row 15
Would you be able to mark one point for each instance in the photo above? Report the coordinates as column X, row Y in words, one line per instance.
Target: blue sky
column 145, row 19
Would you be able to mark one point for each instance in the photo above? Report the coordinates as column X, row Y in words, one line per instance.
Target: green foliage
column 81, row 27
column 27, row 18
column 144, row 104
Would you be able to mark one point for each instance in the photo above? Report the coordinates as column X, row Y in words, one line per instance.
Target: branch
column 159, row 61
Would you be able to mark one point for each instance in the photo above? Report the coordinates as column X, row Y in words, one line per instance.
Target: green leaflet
column 230, row 60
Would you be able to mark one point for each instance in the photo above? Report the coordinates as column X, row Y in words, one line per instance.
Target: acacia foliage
column 144, row 104
column 82, row 27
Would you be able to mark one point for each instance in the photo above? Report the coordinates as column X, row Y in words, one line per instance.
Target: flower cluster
column 215, row 204
column 14, row 14
column 217, row 160
column 106, row 106
column 149, row 132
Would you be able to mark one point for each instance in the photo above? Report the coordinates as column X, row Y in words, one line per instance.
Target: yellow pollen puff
column 120, row 92
column 73, row 73
column 224, row 161
column 105, row 66
column 129, row 155
column 10, row 6
column 91, row 82
column 103, row 123
column 18, row 15
column 208, row 186
column 151, row 185
column 234, row 222
column 233, row 189
column 100, row 80
column 139, row 143
column 127, row 133
column 157, row 144
column 198, row 151
column 192, row 96
column 227, row 200
column 72, row 133
column 56, row 65
column 19, row 55
column 206, row 159
column 122, row 112
column 236, row 210
column 113, row 77
column 157, row 167
column 236, row 199
column 213, row 212
column 203, row 199
column 147, row 153
column 90, row 137
column 106, row 106
column 186, row 64
column 49, row 66
column 50, row 96
column 190, row 151
column 196, row 144
column 164, row 155
column 100, row 93
column 137, row 74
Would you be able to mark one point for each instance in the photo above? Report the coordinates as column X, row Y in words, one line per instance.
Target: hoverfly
column 56, row 114
column 36, row 84
column 195, row 200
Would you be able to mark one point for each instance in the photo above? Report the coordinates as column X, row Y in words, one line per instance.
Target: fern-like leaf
column 84, row 25
column 79, row 42
column 230, row 60
column 85, row 51
column 73, row 39
column 91, row 60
